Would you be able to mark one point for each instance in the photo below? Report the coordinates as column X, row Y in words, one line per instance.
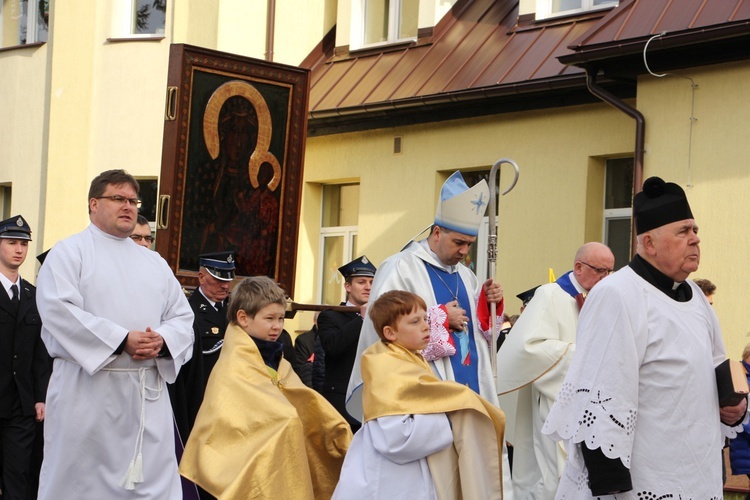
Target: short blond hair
column 253, row 294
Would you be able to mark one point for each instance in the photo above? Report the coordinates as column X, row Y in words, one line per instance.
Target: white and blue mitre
column 462, row 208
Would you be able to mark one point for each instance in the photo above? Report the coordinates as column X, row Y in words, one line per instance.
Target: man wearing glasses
column 119, row 328
column 142, row 232
column 533, row 362
column 639, row 408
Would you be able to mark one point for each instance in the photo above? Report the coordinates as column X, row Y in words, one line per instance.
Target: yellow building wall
column 70, row 135
column 22, row 128
column 711, row 163
column 542, row 221
column 239, row 26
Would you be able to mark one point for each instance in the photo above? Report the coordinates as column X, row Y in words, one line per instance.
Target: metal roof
column 483, row 58
column 478, row 47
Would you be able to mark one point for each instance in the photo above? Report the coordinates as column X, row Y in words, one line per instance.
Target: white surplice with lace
column 642, row 388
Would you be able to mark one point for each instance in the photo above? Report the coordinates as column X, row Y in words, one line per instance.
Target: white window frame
column 32, row 10
column 348, row 233
column 612, row 214
column 359, row 8
column 123, row 14
column 544, row 8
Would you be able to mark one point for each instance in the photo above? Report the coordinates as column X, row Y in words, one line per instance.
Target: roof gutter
column 460, row 96
column 590, row 53
column 640, row 134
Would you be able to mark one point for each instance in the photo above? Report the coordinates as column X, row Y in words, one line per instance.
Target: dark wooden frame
column 188, row 67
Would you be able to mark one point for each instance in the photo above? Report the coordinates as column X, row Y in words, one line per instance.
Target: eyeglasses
column 135, row 202
column 138, row 237
column 598, row 270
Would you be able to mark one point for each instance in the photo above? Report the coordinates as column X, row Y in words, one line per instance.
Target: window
column 23, row 22
column 618, row 202
column 5, row 198
column 554, row 8
column 149, row 16
column 377, row 22
column 338, row 238
column 138, row 19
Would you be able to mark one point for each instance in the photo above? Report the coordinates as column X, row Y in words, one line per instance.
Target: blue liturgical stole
column 448, row 287
column 567, row 285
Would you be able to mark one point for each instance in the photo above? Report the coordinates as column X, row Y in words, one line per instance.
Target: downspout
column 270, row 24
column 640, row 134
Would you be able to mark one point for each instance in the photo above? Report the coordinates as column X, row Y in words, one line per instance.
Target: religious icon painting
column 234, row 136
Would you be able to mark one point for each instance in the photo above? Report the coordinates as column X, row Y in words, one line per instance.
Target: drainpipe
column 270, row 22
column 640, row 134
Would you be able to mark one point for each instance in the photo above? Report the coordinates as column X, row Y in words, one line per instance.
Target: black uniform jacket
column 24, row 363
column 186, row 393
column 339, row 335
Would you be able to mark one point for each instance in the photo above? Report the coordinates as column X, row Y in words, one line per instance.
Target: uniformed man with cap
column 24, row 363
column 339, row 333
column 525, row 297
column 208, row 303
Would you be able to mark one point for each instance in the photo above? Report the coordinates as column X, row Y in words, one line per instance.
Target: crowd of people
column 144, row 392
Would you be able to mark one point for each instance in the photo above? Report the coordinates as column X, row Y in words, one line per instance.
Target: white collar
column 8, row 283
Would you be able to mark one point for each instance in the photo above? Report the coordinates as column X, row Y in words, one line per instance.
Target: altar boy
column 423, row 438
column 261, row 432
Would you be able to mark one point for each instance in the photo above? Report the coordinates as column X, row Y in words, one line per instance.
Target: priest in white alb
column 639, row 408
column 119, row 328
column 533, row 362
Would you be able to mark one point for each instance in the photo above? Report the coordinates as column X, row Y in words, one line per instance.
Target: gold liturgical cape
column 400, row 382
column 258, row 436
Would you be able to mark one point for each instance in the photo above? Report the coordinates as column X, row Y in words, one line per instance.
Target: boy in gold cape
column 423, row 438
column 260, row 432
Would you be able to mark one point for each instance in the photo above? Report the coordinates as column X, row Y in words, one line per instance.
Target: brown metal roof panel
column 463, row 60
column 327, row 90
column 551, row 66
column 721, row 11
column 480, row 61
column 639, row 19
column 678, row 16
column 317, row 73
column 391, row 71
column 533, row 46
column 506, row 59
column 539, row 50
column 742, row 11
column 475, row 51
column 623, row 18
column 357, row 82
column 439, row 52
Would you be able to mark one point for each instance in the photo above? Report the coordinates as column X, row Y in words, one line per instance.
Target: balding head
column 593, row 262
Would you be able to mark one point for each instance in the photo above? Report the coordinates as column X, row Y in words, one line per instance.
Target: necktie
column 580, row 298
column 14, row 291
column 219, row 306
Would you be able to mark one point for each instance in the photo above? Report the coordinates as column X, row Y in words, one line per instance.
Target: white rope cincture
column 135, row 469
column 134, row 473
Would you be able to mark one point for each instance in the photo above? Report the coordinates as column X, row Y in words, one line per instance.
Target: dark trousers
column 16, row 443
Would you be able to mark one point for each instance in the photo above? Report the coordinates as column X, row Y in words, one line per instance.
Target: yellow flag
column 552, row 278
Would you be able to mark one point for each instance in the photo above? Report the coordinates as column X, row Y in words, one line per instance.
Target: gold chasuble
column 259, row 435
column 400, row 382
